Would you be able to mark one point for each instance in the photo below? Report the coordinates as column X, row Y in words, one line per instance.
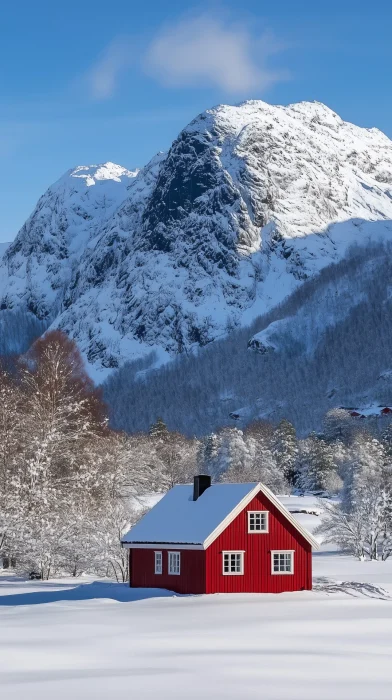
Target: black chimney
column 201, row 483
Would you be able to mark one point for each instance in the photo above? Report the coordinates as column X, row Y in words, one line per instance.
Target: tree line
column 70, row 485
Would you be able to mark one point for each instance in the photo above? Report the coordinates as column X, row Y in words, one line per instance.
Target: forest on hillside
column 332, row 348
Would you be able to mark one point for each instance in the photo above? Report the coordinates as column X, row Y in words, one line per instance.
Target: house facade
column 224, row 538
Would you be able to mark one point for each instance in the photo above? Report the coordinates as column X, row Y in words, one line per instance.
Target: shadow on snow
column 355, row 589
column 55, row 592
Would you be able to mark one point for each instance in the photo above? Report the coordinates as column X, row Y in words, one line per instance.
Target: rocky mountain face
column 249, row 202
column 37, row 268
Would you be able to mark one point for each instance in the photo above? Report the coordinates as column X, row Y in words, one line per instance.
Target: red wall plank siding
column 257, row 576
column 192, row 578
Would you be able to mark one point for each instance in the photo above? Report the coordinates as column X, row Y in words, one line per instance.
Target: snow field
column 85, row 639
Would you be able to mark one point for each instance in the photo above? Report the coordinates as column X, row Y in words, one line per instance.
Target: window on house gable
column 258, row 521
column 158, row 562
column 282, row 562
column 233, row 563
column 174, row 563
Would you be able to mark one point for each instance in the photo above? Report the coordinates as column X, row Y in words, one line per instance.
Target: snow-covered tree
column 208, row 454
column 285, row 450
column 12, row 446
column 112, row 521
column 233, row 458
column 60, row 418
column 361, row 523
column 317, row 468
column 176, row 458
column 338, row 424
column 158, row 430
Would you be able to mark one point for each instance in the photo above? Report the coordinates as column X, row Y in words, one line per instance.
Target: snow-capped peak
column 250, row 200
column 89, row 175
column 39, row 263
column 106, row 171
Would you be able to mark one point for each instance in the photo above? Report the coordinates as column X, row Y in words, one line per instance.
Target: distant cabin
column 220, row 538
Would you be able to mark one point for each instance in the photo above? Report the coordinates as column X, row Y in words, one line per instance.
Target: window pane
column 158, row 562
column 233, row 562
column 283, row 562
column 257, row 522
column 174, row 562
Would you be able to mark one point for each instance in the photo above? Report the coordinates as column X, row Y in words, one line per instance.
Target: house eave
column 161, row 545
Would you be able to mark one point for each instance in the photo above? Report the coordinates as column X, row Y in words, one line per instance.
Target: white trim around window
column 158, row 562
column 233, row 563
column 174, row 563
column 258, row 521
column 282, row 562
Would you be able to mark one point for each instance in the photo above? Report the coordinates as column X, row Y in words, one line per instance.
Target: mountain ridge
column 249, row 202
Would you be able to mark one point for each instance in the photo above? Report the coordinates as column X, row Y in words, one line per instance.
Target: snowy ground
column 84, row 639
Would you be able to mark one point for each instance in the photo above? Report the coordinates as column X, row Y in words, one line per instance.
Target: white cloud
column 103, row 78
column 205, row 50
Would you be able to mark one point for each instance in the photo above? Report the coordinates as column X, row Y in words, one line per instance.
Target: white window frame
column 258, row 512
column 233, row 573
column 177, row 556
column 158, row 562
column 282, row 551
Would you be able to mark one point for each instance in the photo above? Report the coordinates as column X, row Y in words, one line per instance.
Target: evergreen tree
column 338, row 424
column 387, row 438
column 318, row 470
column 234, row 457
column 208, row 455
column 158, row 430
column 285, row 450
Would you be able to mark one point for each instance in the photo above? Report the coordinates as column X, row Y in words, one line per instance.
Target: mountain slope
column 3, row 247
column 37, row 267
column 250, row 202
column 330, row 345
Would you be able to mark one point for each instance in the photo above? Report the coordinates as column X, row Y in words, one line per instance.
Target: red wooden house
column 224, row 538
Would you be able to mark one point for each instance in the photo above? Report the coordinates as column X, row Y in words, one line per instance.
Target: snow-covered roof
column 178, row 519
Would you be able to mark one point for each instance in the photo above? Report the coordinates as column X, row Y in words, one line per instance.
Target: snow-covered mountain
column 249, row 202
column 38, row 266
column 3, row 247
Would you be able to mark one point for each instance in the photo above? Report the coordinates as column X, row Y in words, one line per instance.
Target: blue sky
column 86, row 82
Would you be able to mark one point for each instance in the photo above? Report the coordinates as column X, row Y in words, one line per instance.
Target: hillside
column 328, row 344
